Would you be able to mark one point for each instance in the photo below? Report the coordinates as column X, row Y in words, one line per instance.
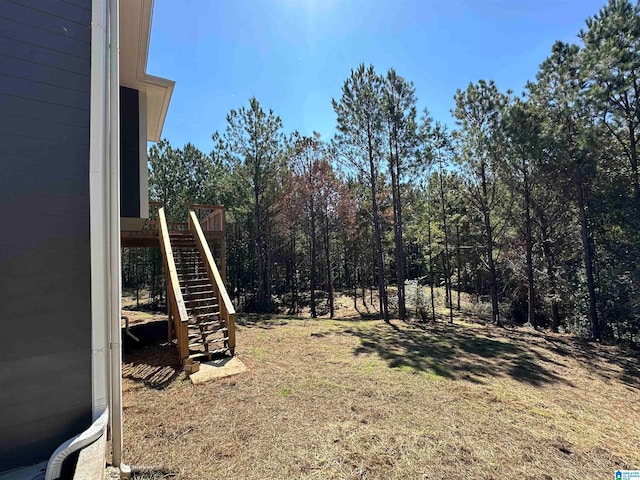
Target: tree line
column 530, row 202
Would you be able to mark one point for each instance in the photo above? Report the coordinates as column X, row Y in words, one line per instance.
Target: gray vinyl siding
column 45, row 274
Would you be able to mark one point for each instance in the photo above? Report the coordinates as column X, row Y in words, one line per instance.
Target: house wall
column 45, row 275
column 129, row 153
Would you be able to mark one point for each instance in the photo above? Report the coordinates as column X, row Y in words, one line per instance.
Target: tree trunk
column 447, row 266
column 459, row 260
column 292, row 274
column 531, row 314
column 588, row 260
column 363, row 285
column 329, row 270
column 433, row 302
column 261, row 293
column 382, row 294
column 312, row 241
column 493, row 287
column 355, row 290
column 550, row 261
column 634, row 160
column 236, row 266
column 397, row 228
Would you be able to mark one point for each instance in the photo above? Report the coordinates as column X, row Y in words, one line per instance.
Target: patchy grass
column 362, row 399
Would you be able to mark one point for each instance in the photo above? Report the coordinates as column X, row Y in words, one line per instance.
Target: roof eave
column 135, row 31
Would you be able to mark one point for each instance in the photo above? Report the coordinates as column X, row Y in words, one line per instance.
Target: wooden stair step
column 210, row 352
column 204, row 333
column 193, row 329
column 202, row 307
column 198, row 287
column 193, row 326
column 207, row 299
column 198, row 316
column 212, row 299
column 193, row 276
column 195, row 296
column 191, row 282
column 189, row 271
column 208, row 342
column 206, row 324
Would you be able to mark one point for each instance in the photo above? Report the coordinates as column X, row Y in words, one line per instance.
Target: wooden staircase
column 201, row 316
column 207, row 332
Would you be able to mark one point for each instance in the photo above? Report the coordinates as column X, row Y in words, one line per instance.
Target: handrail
column 205, row 206
column 177, row 308
column 227, row 311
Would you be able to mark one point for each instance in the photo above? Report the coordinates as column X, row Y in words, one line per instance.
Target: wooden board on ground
column 219, row 368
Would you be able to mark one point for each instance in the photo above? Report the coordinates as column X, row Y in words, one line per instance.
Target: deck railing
column 227, row 311
column 210, row 217
column 178, row 317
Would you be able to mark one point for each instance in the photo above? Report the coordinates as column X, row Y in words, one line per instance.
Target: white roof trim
column 135, row 31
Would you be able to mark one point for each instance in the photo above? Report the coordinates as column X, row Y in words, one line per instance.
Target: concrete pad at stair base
column 215, row 369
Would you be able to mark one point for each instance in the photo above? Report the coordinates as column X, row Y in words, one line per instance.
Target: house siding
column 45, row 275
column 129, row 153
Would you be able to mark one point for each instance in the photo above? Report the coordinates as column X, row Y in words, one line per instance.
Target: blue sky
column 294, row 55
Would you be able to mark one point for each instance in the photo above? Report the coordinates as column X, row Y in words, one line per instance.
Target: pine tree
column 399, row 102
column 479, row 111
column 560, row 94
column 360, row 143
column 253, row 148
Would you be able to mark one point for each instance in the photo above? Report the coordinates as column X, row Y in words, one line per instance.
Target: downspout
column 113, row 274
column 94, row 432
column 98, row 184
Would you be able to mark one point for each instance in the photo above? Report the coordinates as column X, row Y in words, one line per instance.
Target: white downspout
column 90, row 435
column 98, row 208
column 114, row 240
column 99, row 235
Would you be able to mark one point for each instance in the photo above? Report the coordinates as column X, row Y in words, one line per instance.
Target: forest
column 530, row 204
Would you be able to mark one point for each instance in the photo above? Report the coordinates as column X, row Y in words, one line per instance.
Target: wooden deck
column 150, row 239
column 212, row 222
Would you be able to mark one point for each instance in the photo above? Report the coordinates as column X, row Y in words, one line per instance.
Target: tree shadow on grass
column 267, row 321
column 610, row 362
column 151, row 361
column 455, row 352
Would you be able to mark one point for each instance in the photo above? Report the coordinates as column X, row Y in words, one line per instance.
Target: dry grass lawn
column 356, row 399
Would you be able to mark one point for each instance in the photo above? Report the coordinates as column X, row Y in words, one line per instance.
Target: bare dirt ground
column 360, row 399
